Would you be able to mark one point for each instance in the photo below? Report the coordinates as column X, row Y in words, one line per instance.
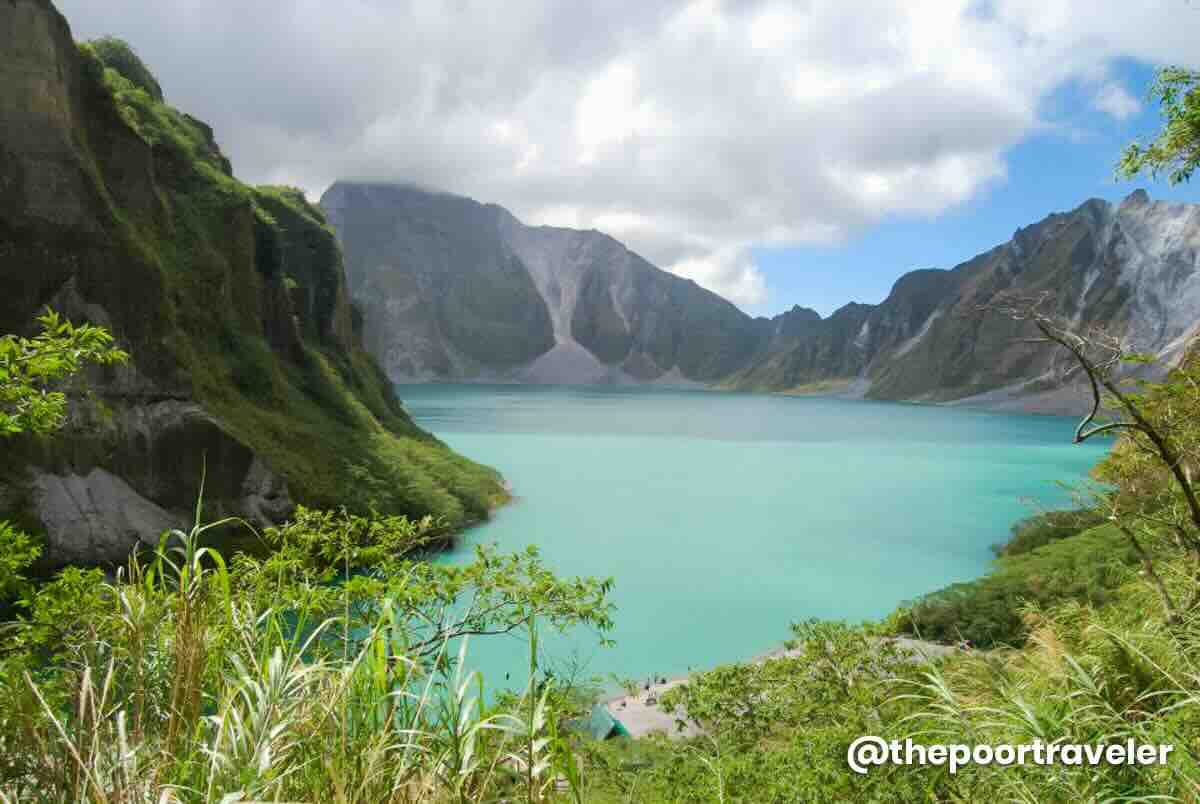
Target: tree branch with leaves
column 1176, row 150
column 33, row 369
column 1150, row 471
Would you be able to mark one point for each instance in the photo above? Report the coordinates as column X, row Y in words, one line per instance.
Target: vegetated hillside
column 455, row 289
column 247, row 357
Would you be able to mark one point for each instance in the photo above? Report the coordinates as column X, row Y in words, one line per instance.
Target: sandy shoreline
column 641, row 715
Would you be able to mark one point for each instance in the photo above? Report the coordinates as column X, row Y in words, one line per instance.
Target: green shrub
column 1087, row 567
column 118, row 55
column 1047, row 527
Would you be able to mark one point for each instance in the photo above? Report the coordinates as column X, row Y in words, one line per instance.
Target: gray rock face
column 1131, row 268
column 96, row 517
column 454, row 289
column 91, row 516
column 124, row 471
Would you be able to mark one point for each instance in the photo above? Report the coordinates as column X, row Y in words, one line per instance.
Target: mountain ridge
column 1130, row 266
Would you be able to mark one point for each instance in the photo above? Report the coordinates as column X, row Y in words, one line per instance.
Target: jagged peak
column 797, row 311
column 852, row 308
column 1138, row 197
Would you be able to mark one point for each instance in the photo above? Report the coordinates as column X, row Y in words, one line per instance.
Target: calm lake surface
column 723, row 518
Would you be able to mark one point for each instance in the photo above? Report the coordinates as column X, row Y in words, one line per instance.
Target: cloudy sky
column 780, row 153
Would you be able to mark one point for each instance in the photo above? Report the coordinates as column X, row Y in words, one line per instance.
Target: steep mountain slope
column 246, row 352
column 1131, row 268
column 456, row 289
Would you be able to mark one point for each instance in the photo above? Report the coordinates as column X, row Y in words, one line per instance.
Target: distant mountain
column 1132, row 268
column 454, row 289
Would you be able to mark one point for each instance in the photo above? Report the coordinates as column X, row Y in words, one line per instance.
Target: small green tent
column 600, row 724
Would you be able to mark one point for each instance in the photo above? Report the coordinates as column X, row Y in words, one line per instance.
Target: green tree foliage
column 31, row 372
column 1046, row 527
column 18, row 551
column 1087, row 566
column 31, row 369
column 341, row 563
column 1176, row 151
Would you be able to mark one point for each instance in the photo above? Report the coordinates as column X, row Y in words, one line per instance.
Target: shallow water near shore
column 723, row 518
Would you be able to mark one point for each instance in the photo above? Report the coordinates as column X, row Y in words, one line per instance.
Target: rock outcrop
column 247, row 366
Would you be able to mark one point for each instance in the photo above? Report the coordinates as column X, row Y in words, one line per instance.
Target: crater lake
column 724, row 517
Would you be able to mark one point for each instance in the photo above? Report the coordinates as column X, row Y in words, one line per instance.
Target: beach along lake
column 723, row 518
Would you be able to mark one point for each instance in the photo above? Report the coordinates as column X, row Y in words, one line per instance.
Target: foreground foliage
column 32, row 368
column 1176, row 150
column 1087, row 567
column 330, row 671
column 779, row 731
column 32, row 374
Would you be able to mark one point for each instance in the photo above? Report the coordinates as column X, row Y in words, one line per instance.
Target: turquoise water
column 725, row 517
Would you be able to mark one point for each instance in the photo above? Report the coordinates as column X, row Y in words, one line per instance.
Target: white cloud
column 610, row 112
column 1113, row 99
column 692, row 130
column 727, row 271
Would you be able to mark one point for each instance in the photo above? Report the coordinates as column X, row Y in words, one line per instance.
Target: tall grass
column 1087, row 677
column 171, row 685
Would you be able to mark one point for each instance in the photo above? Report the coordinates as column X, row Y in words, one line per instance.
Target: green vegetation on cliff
column 229, row 296
column 324, row 416
column 118, row 55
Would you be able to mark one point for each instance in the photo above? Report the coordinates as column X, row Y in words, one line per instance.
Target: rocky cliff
column 247, row 357
column 454, row 289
